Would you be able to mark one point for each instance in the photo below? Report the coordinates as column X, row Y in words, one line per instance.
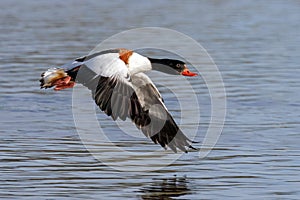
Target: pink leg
column 63, row 83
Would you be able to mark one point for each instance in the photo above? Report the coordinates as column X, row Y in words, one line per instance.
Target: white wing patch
column 138, row 63
column 107, row 65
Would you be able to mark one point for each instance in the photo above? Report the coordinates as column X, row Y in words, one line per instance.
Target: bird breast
column 138, row 63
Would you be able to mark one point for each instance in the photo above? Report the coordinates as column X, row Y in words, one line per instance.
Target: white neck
column 138, row 63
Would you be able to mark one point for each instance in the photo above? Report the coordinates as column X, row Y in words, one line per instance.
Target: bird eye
column 178, row 65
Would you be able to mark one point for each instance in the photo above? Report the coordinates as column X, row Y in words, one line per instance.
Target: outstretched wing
column 139, row 100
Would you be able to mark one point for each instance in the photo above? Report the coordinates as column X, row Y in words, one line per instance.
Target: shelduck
column 121, row 89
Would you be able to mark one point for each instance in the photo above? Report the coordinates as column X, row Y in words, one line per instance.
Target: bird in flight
column 122, row 90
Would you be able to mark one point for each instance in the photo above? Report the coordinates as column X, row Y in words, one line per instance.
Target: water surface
column 256, row 47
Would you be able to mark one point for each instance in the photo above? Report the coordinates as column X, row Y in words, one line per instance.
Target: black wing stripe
column 81, row 59
column 91, row 56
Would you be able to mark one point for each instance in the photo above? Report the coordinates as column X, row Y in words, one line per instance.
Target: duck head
column 171, row 66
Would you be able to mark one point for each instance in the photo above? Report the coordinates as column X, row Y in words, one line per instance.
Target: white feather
column 107, row 65
column 138, row 63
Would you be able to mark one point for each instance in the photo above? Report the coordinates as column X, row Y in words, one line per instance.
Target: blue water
column 255, row 44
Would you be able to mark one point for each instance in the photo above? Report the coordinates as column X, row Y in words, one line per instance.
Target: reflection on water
column 255, row 45
column 166, row 188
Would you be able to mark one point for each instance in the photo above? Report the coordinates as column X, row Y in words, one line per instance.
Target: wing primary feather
column 122, row 99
